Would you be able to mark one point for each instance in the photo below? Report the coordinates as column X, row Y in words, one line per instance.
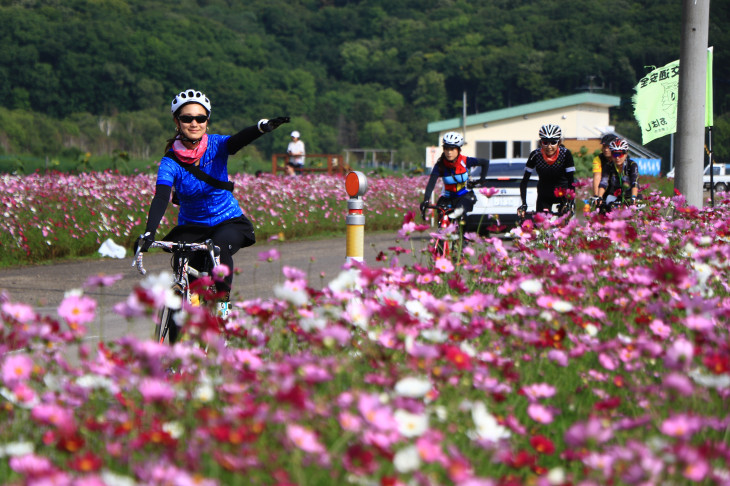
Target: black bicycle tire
column 162, row 325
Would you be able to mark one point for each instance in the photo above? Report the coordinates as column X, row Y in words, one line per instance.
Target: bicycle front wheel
column 164, row 325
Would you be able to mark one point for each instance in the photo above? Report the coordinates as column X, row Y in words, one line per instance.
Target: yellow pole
column 356, row 185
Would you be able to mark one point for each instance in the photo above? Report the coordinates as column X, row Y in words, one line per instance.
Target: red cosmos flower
column 608, row 404
column 559, row 192
column 676, row 192
column 456, row 356
column 717, row 363
column 360, row 460
column 410, row 216
column 668, row 272
column 86, row 462
column 522, row 459
column 71, row 443
column 542, row 444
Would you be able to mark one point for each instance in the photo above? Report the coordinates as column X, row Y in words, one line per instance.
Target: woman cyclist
column 602, row 163
column 555, row 169
column 453, row 168
column 621, row 182
column 196, row 165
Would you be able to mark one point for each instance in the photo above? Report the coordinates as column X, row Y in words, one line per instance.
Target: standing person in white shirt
column 296, row 154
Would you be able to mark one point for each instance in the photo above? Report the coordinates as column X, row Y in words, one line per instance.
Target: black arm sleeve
column 484, row 164
column 157, row 208
column 431, row 184
column 523, row 187
column 241, row 139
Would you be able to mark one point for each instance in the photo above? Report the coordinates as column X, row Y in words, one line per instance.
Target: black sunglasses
column 190, row 118
column 549, row 141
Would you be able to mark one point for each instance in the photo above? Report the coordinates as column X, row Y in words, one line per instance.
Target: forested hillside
column 98, row 75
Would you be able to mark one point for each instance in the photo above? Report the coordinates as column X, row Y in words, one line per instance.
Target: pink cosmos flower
column 269, row 255
column 52, row 414
column 660, row 329
column 16, row 367
column 31, row 465
column 20, row 312
column 679, row 354
column 102, row 280
column 444, row 265
column 156, row 390
column 683, row 426
column 558, row 356
column 304, row 439
column 77, row 309
column 489, row 191
column 349, row 421
column 429, row 447
column 538, row 391
column 606, row 361
column 220, row 272
column 540, row 413
column 679, row 383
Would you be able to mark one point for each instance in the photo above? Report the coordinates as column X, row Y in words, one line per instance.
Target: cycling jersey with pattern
column 614, row 181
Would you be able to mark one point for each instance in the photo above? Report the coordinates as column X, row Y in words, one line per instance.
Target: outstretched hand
column 274, row 123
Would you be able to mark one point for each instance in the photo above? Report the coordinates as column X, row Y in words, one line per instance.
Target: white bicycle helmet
column 550, row 131
column 619, row 145
column 190, row 96
column 453, row 138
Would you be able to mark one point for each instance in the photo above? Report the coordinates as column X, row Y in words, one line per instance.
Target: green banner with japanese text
column 655, row 101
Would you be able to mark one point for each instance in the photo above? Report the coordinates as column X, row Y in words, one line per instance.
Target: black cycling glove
column 144, row 242
column 270, row 125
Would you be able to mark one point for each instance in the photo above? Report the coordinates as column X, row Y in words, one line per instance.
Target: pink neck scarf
column 190, row 156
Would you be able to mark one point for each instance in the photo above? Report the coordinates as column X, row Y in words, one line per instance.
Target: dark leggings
column 230, row 236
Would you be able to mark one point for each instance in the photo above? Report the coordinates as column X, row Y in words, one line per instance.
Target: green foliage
column 98, row 76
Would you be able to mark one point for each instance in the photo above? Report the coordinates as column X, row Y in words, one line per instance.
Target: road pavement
column 44, row 286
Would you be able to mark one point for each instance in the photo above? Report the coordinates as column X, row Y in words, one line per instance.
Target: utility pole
column 691, row 105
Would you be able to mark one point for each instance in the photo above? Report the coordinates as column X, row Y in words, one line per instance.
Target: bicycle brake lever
column 138, row 263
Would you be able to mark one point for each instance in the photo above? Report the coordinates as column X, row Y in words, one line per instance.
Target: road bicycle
column 564, row 207
column 444, row 245
column 183, row 272
column 611, row 202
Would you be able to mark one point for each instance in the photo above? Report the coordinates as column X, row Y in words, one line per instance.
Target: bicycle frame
column 182, row 272
column 439, row 247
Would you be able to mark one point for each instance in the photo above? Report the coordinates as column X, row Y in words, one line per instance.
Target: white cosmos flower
column 562, row 306
column 16, row 449
column 434, row 335
column 346, row 281
column 296, row 296
column 418, row 310
column 412, row 387
column 591, row 329
column 487, row 427
column 407, row 459
column 531, row 286
column 173, row 428
column 411, row 424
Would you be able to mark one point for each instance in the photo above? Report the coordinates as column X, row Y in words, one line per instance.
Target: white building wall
column 577, row 122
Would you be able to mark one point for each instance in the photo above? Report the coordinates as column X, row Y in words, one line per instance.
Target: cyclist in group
column 196, row 165
column 621, row 182
column 601, row 163
column 555, row 168
column 453, row 168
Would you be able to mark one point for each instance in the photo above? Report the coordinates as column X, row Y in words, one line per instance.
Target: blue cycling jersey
column 201, row 203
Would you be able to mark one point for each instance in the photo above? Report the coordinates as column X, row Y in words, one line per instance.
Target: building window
column 491, row 150
column 520, row 148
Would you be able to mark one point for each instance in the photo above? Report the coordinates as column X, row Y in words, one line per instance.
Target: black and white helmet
column 190, row 96
column 550, row 131
column 453, row 138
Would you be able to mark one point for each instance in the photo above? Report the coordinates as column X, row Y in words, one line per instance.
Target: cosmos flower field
column 593, row 352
